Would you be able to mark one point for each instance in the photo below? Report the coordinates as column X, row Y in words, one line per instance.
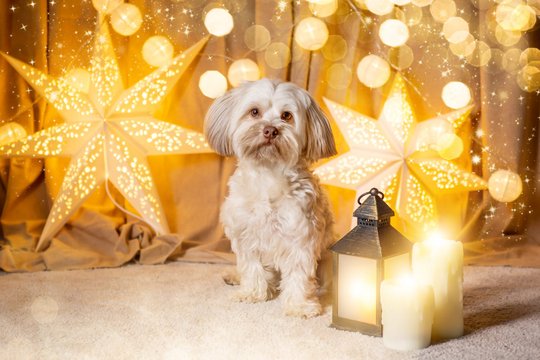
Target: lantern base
column 351, row 325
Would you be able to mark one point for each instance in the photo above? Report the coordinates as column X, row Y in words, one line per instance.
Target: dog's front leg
column 299, row 286
column 254, row 278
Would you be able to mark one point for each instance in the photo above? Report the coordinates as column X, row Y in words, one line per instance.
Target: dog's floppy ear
column 217, row 123
column 320, row 140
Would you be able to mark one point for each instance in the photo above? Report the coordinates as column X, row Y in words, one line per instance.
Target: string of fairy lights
column 501, row 43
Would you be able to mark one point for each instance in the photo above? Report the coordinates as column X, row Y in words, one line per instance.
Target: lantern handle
column 374, row 192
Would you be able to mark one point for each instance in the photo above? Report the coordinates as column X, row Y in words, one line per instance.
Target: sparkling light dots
column 218, row 22
column 384, row 153
column 108, row 133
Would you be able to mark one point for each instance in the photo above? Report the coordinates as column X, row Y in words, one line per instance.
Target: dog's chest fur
column 269, row 207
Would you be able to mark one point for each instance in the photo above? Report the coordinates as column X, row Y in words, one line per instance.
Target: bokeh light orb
column 421, row 3
column 243, row 70
column 157, row 51
column 311, row 33
column 515, row 16
column 323, row 8
column 257, row 37
column 126, row 19
column 456, row 30
column 373, row 71
column 277, row 55
column 10, row 132
column 456, row 95
column 428, row 132
column 393, row 32
column 442, row 10
column 78, row 79
column 212, row 84
column 449, row 146
column 335, row 49
column 106, row 6
column 379, row 7
column 505, row 185
column 339, row 76
column 401, row 57
column 218, row 22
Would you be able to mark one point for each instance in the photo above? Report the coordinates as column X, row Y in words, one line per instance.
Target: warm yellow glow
column 108, row 133
column 514, row 15
column 385, row 153
column 456, row 95
column 421, row 3
column 277, row 55
column 212, row 84
column 357, row 288
column 379, row 7
column 528, row 78
column 507, row 37
column 339, row 76
column 397, row 266
column 373, row 71
column 450, row 146
column 126, row 19
column 428, row 133
column 464, row 48
column 505, row 185
column 401, row 2
column 456, row 30
column 79, row 79
column 257, row 37
column 11, row 132
column 157, row 51
column 218, row 22
column 335, row 49
column 442, row 10
column 323, row 8
column 401, row 57
column 243, row 70
column 393, row 32
column 106, row 6
column 311, row 33
column 480, row 54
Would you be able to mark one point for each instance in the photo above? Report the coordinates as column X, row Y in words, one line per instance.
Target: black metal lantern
column 368, row 254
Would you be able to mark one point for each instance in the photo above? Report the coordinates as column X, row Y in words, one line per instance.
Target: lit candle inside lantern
column 439, row 263
column 407, row 313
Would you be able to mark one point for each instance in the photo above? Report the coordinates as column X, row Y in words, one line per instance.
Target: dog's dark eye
column 286, row 116
column 254, row 112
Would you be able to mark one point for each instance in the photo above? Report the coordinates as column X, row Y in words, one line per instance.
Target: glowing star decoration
column 108, row 133
column 386, row 154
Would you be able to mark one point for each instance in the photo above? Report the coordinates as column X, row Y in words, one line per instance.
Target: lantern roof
column 374, row 207
column 373, row 237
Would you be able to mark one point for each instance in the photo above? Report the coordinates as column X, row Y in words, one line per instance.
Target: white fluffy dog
column 276, row 215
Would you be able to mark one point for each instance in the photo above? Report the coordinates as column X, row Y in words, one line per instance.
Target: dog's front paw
column 304, row 310
column 253, row 296
column 231, row 277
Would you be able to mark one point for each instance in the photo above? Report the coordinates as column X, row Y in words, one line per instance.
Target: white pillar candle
column 407, row 313
column 439, row 263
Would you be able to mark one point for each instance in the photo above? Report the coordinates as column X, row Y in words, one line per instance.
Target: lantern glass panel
column 397, row 265
column 357, row 288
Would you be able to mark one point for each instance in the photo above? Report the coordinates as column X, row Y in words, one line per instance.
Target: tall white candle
column 439, row 263
column 407, row 313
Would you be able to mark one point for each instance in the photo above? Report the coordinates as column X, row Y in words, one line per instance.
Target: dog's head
column 269, row 122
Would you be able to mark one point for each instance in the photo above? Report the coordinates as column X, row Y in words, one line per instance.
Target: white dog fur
column 276, row 214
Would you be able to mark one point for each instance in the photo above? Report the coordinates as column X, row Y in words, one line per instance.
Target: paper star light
column 389, row 154
column 108, row 133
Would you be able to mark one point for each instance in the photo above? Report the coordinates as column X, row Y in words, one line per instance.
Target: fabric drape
column 57, row 37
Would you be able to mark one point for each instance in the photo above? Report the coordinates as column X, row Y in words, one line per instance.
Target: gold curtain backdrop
column 55, row 36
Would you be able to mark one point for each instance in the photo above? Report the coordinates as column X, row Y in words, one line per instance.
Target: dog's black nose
column 270, row 132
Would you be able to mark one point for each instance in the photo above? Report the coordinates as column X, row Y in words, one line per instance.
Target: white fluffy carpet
column 183, row 311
